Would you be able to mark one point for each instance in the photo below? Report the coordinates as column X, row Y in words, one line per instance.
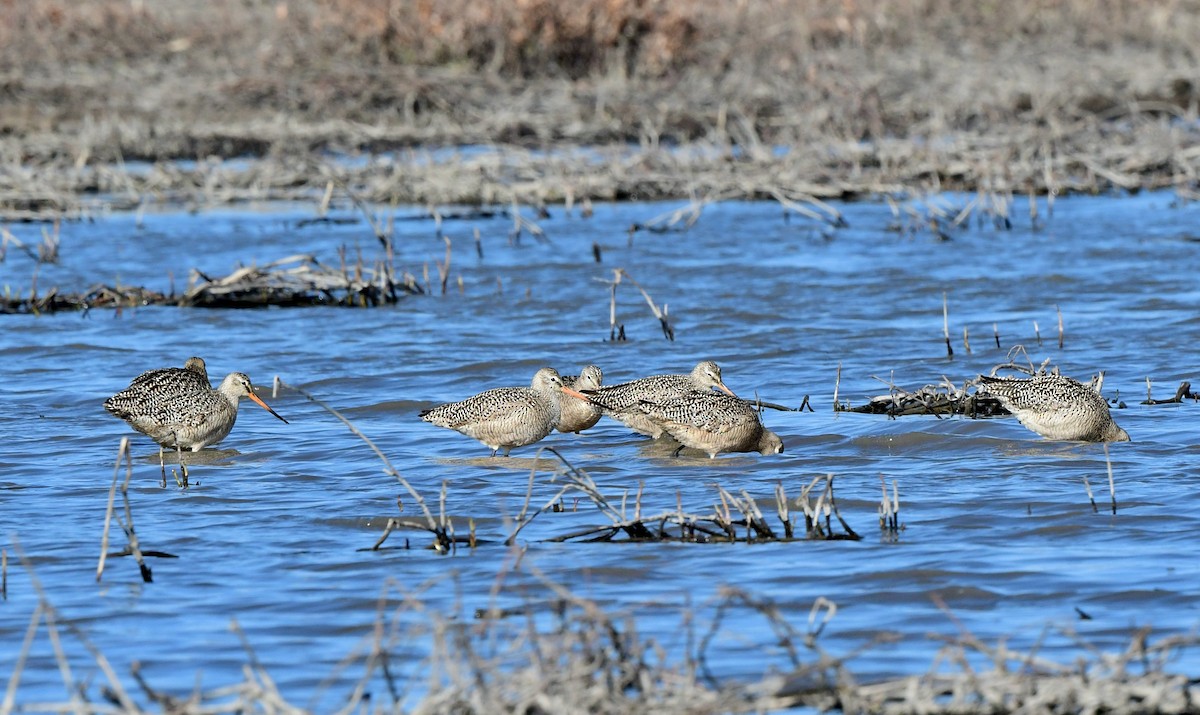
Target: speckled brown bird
column 1056, row 407
column 506, row 417
column 713, row 423
column 578, row 415
column 621, row 401
column 178, row 408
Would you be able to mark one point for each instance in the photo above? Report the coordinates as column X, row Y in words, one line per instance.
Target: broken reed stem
column 1037, row 333
column 10, row 694
column 127, row 525
column 1060, row 327
column 115, row 691
column 837, row 383
column 444, row 269
column 996, row 334
column 946, row 324
column 1112, row 489
column 895, row 505
column 612, row 308
column 668, row 331
column 108, row 513
column 60, row 657
column 781, row 506
column 522, row 522
column 388, row 468
column 966, row 341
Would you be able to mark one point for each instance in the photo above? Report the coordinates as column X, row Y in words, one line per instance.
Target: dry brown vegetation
column 867, row 95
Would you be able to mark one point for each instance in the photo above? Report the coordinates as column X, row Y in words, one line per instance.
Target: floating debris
column 937, row 400
column 300, row 280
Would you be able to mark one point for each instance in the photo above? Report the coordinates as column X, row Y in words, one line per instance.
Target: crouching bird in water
column 713, row 423
column 1056, row 407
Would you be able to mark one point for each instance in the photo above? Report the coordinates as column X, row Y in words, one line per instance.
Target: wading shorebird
column 621, row 401
column 179, row 408
column 1056, row 407
column 506, row 417
column 578, row 415
column 713, row 423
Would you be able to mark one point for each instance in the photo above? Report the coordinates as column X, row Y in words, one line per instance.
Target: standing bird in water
column 621, row 402
column 506, row 417
column 179, row 407
column 578, row 415
column 713, row 423
column 1056, row 407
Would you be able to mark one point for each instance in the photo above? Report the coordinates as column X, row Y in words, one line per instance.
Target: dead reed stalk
column 443, row 541
column 946, row 324
column 133, row 548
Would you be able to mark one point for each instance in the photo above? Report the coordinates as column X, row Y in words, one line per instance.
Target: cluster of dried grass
column 867, row 96
column 557, row 652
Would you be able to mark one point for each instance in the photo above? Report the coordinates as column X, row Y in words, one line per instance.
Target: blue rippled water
column 999, row 536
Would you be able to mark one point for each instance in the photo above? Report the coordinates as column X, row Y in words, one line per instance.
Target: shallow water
column 272, row 531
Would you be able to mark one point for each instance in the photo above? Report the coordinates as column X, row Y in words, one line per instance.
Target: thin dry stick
column 10, row 695
column 895, row 505
column 127, row 525
column 117, row 691
column 668, row 331
column 444, row 269
column 612, row 306
column 996, row 333
column 112, row 495
column 64, row 665
column 1060, row 327
column 966, row 341
column 1112, row 489
column 1037, row 333
column 946, row 323
column 522, row 522
column 781, row 506
column 837, row 383
column 885, row 505
column 389, row 469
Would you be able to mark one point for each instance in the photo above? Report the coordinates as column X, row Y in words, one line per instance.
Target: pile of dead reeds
column 670, row 98
column 557, row 651
column 298, row 281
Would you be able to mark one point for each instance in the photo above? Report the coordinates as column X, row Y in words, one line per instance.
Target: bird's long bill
column 266, row 407
column 576, row 394
column 726, row 390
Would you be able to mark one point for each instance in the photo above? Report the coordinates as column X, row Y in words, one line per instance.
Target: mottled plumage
column 713, row 423
column 1056, row 407
column 621, row 401
column 505, row 417
column 179, row 408
column 156, row 385
column 578, row 415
